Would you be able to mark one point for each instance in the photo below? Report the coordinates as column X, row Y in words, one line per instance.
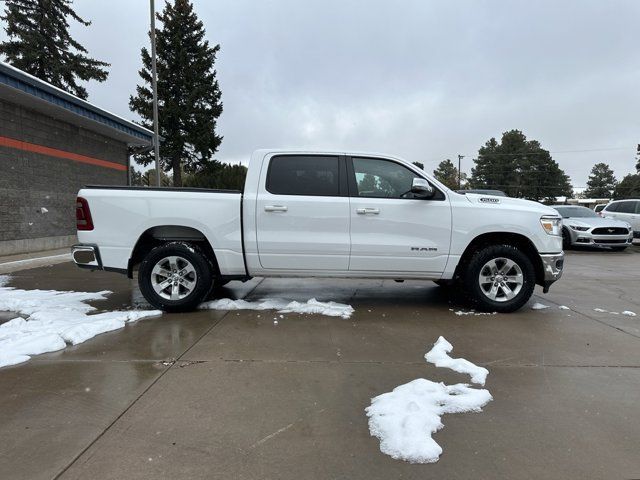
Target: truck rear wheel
column 499, row 278
column 175, row 277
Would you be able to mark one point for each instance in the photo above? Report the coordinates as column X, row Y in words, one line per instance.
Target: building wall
column 38, row 186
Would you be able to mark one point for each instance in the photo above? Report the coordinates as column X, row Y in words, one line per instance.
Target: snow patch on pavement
column 332, row 309
column 627, row 313
column 539, row 306
column 405, row 418
column 471, row 312
column 439, row 356
column 563, row 307
column 54, row 319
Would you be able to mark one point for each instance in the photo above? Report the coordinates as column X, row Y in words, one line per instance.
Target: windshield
column 575, row 212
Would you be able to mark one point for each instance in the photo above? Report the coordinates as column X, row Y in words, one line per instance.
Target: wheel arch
column 161, row 234
column 517, row 240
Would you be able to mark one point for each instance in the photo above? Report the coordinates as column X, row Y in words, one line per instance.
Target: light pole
column 154, row 83
column 460, row 157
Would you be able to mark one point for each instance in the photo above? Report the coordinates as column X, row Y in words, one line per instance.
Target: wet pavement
column 215, row 394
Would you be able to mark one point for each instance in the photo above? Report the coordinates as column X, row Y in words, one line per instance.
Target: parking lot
column 215, row 394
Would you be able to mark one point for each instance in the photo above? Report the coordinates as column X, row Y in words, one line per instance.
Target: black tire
column 477, row 264
column 566, row 239
column 201, row 275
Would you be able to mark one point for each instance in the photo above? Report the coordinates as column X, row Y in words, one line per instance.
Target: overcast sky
column 422, row 79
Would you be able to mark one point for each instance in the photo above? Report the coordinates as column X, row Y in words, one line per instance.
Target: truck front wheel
column 175, row 277
column 499, row 278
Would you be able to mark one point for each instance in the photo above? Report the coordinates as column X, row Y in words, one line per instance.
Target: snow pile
column 539, row 306
column 54, row 319
column 439, row 356
column 563, row 307
column 405, row 418
column 629, row 313
column 332, row 309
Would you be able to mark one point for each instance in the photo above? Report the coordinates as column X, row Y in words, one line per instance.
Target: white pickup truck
column 320, row 214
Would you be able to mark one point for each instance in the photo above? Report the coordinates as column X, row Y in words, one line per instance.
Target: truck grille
column 610, row 231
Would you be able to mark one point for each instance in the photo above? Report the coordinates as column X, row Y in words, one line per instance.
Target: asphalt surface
column 217, row 395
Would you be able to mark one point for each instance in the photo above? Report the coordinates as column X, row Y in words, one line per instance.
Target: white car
column 626, row 210
column 311, row 214
column 581, row 226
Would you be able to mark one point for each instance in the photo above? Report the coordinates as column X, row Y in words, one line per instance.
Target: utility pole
column 460, row 157
column 154, row 82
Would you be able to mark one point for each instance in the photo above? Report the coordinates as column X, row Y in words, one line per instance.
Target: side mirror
column 421, row 188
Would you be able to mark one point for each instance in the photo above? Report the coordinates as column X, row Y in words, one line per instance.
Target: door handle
column 275, row 208
column 365, row 211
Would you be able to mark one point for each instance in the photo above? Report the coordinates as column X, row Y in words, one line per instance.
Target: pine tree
column 39, row 43
column 447, row 173
column 218, row 175
column 601, row 183
column 420, row 165
column 629, row 187
column 188, row 92
column 519, row 167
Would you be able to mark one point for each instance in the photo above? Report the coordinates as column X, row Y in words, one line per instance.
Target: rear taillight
column 83, row 215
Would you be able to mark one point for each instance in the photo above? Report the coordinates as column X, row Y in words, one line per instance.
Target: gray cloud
column 422, row 79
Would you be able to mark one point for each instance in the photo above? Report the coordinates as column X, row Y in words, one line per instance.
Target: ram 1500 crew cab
column 310, row 214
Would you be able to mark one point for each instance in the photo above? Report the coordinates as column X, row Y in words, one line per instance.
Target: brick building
column 51, row 144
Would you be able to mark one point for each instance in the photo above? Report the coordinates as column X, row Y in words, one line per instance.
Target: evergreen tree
column 420, row 165
column 39, row 43
column 188, row 92
column 601, row 183
column 447, row 173
column 218, row 175
column 519, row 167
column 629, row 187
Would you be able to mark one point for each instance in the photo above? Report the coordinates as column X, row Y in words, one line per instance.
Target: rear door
column 391, row 231
column 302, row 213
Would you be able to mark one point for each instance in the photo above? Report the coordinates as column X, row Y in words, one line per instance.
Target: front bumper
column 590, row 239
column 552, row 266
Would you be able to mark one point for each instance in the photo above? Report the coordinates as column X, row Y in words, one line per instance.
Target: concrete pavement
column 213, row 394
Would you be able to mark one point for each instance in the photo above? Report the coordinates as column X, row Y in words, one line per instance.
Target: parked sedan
column 582, row 226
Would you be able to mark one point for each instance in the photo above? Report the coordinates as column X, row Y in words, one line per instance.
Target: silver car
column 582, row 226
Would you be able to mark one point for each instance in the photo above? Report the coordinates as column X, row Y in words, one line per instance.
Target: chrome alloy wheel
column 501, row 279
column 173, row 278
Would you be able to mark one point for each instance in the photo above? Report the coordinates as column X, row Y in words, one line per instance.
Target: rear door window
column 626, row 207
column 313, row 175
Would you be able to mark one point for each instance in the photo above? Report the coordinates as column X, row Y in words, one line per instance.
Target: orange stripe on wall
column 54, row 152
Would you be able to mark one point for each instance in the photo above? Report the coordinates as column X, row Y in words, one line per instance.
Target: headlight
column 579, row 229
column 551, row 225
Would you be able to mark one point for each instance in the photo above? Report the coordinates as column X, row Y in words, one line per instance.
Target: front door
column 302, row 213
column 391, row 230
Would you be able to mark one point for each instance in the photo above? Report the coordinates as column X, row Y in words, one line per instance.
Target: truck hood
column 490, row 201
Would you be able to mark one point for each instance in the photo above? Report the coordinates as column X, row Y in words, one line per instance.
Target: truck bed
column 124, row 214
